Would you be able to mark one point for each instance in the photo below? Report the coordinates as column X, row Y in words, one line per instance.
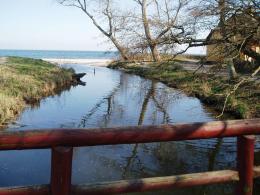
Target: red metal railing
column 62, row 141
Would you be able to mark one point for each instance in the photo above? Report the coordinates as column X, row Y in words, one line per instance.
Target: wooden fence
column 62, row 141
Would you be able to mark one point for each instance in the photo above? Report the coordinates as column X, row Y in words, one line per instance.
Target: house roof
column 241, row 23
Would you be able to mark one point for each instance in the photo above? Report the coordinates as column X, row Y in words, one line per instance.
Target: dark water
column 112, row 98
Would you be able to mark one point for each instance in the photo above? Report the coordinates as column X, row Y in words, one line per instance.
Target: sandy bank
column 92, row 62
column 3, row 60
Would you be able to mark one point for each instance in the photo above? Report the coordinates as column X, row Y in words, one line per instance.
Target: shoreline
column 91, row 62
column 25, row 81
column 209, row 88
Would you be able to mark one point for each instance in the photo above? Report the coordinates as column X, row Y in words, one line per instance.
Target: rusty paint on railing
column 35, row 139
column 62, row 140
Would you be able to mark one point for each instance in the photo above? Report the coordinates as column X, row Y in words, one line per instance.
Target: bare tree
column 112, row 25
column 236, row 21
column 151, row 41
column 162, row 19
column 235, row 25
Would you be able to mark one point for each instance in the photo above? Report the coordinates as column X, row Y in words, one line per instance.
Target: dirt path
column 214, row 69
column 203, row 68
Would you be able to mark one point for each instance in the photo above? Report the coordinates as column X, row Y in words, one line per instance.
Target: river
column 113, row 98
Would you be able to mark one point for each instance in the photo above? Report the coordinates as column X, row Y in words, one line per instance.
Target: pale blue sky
column 46, row 25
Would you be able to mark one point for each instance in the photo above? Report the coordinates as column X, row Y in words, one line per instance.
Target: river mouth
column 112, row 98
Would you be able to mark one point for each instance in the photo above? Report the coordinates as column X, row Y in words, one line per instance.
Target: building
column 237, row 28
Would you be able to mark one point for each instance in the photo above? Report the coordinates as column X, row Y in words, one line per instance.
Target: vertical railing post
column 245, row 164
column 61, row 166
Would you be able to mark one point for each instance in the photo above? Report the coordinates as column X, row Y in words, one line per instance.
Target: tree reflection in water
column 151, row 102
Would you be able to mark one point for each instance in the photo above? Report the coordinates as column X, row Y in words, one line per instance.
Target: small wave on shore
column 92, row 62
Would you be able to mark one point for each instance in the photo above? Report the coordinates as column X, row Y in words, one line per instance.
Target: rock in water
column 78, row 76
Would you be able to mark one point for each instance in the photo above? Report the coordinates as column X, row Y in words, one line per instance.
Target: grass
column 209, row 88
column 25, row 80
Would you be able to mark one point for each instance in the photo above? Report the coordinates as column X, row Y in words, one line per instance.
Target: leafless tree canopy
column 104, row 16
column 156, row 27
column 236, row 21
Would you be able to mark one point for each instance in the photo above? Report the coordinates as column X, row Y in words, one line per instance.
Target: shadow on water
column 112, row 98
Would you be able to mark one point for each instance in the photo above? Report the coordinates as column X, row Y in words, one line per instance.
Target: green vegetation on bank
column 209, row 88
column 25, row 80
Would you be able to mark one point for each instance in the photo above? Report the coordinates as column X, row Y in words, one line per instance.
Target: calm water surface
column 112, row 98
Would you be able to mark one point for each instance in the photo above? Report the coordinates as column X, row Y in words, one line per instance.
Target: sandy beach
column 3, row 60
column 91, row 62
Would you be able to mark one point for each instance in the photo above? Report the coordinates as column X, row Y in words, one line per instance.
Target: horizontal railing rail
column 36, row 139
column 62, row 141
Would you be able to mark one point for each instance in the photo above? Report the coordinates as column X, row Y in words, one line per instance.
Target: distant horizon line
column 59, row 50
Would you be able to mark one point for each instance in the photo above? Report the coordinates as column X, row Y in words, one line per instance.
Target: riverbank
column 211, row 89
column 25, row 81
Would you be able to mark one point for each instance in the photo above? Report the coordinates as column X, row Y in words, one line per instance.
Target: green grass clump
column 25, row 80
column 242, row 110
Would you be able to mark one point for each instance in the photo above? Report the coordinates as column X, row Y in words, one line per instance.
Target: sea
column 58, row 54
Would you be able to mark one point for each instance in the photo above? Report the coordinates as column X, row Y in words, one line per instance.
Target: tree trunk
column 121, row 50
column 231, row 69
column 123, row 54
column 109, row 33
column 222, row 7
column 151, row 42
column 155, row 53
